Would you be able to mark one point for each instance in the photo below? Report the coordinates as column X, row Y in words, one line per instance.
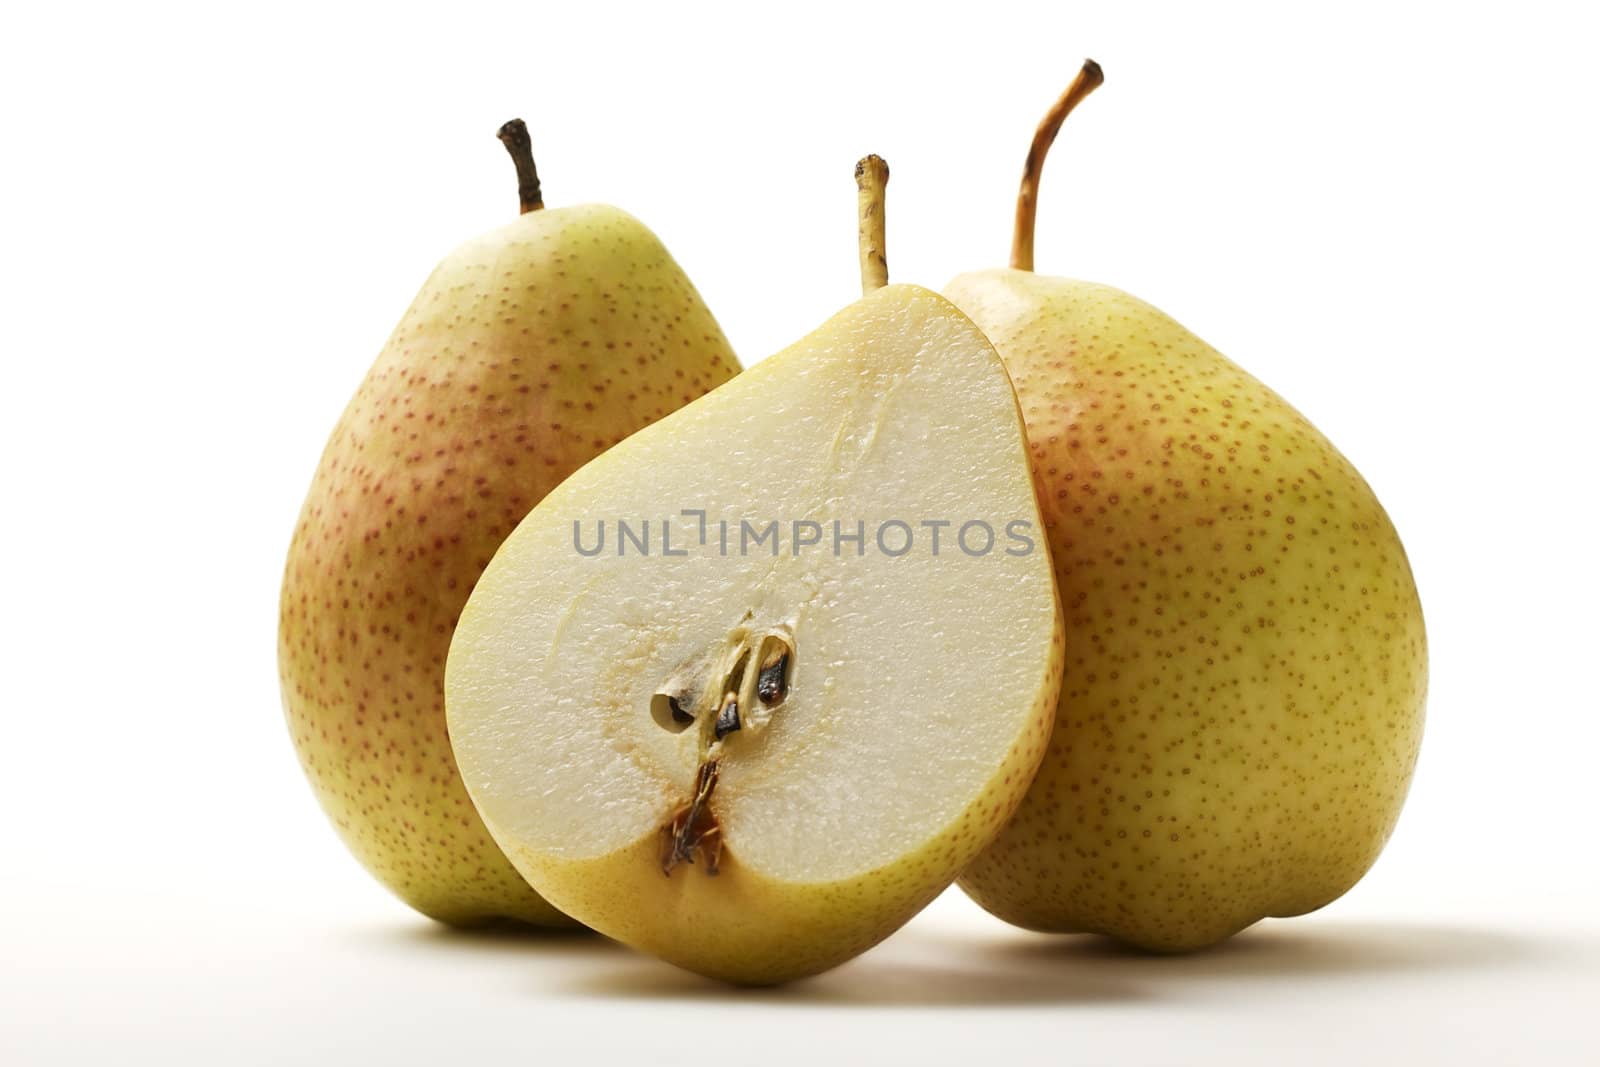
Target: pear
column 528, row 351
column 723, row 698
column 1244, row 693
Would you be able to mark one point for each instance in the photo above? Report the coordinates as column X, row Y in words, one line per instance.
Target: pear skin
column 1247, row 664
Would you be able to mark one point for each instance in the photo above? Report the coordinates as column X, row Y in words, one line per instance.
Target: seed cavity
column 672, row 707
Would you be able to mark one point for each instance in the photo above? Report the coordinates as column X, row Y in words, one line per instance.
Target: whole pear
column 1246, row 663
column 529, row 351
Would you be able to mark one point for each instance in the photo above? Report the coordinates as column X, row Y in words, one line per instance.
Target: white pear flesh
column 922, row 685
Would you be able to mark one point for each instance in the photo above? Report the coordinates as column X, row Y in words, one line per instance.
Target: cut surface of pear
column 890, row 702
column 529, row 350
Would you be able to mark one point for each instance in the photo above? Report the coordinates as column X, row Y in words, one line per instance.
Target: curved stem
column 514, row 135
column 872, row 176
column 1087, row 81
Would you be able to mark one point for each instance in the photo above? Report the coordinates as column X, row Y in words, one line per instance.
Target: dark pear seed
column 678, row 714
column 727, row 718
column 772, row 684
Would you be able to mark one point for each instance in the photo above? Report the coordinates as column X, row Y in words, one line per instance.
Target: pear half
column 758, row 758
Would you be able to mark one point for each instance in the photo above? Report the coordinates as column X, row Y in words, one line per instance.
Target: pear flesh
column 1244, row 694
column 528, row 351
column 757, row 758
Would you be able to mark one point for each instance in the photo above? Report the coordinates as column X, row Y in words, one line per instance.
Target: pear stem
column 1088, row 80
column 514, row 135
column 872, row 176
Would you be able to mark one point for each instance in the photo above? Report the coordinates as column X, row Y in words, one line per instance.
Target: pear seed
column 772, row 685
column 728, row 717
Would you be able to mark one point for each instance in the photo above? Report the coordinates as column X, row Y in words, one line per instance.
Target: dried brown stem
column 514, row 135
column 693, row 830
column 1088, row 80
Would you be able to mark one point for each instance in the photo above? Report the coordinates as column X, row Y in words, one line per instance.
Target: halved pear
column 757, row 758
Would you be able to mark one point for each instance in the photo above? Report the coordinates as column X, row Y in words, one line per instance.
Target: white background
column 213, row 215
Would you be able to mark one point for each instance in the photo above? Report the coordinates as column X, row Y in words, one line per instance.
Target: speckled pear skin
column 1246, row 663
column 529, row 351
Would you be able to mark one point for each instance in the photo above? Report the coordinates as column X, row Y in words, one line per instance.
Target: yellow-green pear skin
column 1246, row 663
column 529, row 351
